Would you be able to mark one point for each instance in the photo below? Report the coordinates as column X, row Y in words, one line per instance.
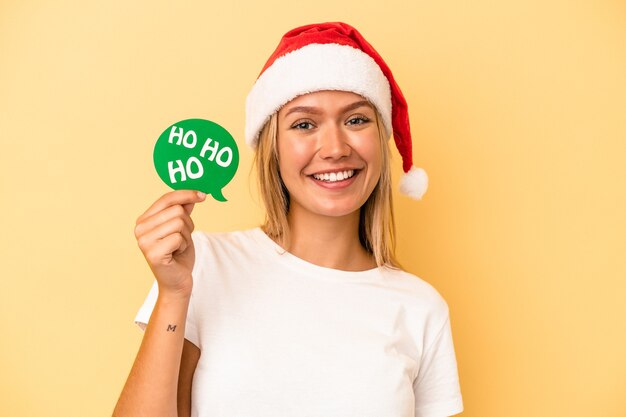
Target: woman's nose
column 334, row 143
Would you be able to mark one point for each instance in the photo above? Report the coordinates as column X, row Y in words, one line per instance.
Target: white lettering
column 194, row 140
column 199, row 168
column 229, row 157
column 213, row 149
column 173, row 171
column 174, row 134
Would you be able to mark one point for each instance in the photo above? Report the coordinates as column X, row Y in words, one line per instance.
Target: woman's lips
column 335, row 185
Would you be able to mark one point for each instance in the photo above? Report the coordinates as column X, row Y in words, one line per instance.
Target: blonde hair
column 376, row 222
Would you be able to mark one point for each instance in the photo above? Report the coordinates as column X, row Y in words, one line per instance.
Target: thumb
column 189, row 206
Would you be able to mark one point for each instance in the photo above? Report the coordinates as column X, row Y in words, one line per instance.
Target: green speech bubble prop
column 196, row 154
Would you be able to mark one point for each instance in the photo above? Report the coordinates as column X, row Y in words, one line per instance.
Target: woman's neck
column 331, row 242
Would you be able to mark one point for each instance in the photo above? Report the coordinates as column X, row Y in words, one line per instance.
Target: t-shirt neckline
column 279, row 254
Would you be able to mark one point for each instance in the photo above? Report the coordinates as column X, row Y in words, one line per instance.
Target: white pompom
column 414, row 183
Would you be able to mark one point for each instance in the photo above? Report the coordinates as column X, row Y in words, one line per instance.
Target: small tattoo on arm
column 171, row 328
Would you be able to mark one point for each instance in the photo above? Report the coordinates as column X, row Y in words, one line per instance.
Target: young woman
column 310, row 314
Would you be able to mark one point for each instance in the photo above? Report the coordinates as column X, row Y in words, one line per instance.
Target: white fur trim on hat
column 414, row 183
column 312, row 68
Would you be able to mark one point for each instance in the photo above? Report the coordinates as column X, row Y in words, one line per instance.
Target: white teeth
column 334, row 176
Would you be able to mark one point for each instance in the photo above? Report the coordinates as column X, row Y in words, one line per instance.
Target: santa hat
column 333, row 56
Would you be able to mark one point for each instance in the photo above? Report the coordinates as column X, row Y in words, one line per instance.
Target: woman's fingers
column 163, row 234
column 176, row 225
column 150, row 223
column 186, row 198
column 163, row 250
column 189, row 207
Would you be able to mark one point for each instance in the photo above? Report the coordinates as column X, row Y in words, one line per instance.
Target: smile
column 334, row 176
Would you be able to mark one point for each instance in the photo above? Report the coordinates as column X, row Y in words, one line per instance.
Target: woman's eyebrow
column 316, row 110
column 356, row 105
column 304, row 109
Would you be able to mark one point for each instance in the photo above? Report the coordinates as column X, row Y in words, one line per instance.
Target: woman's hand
column 163, row 234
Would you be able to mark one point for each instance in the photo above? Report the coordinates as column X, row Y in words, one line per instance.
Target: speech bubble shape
column 196, row 154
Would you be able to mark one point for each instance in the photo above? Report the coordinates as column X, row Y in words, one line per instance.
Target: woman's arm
column 189, row 361
column 159, row 369
column 163, row 234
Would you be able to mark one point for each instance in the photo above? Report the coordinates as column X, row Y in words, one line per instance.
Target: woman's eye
column 359, row 120
column 302, row 125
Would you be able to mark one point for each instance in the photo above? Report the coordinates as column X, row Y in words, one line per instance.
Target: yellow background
column 518, row 111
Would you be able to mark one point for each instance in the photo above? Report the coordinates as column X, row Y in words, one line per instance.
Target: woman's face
column 329, row 152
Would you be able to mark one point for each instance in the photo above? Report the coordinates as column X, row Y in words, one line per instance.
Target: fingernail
column 201, row 194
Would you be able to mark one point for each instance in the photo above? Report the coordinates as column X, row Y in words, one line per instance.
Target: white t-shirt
column 280, row 336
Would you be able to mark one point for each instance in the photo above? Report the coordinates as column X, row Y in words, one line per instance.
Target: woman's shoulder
column 417, row 289
column 226, row 250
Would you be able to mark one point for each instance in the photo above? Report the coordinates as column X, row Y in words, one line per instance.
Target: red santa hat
column 333, row 56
